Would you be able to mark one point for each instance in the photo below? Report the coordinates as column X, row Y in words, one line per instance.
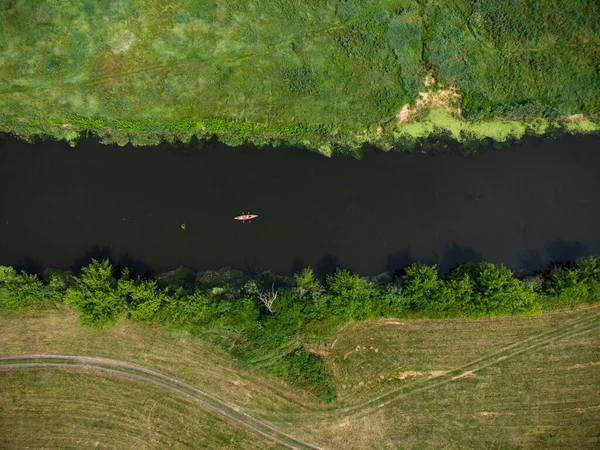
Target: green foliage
column 306, row 281
column 56, row 282
column 307, row 371
column 313, row 68
column 404, row 37
column 220, row 305
column 421, row 285
column 392, row 299
column 497, row 291
column 144, row 299
column 350, row 295
column 18, row 290
column 96, row 295
column 300, row 80
column 567, row 283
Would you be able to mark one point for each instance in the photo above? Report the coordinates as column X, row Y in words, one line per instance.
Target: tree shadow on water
column 297, row 265
column 397, row 262
column 327, row 265
column 455, row 255
column 102, row 252
column 136, row 266
column 28, row 265
column 563, row 252
column 531, row 262
column 97, row 252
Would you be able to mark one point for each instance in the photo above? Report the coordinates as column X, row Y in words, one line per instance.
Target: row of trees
column 265, row 326
column 482, row 289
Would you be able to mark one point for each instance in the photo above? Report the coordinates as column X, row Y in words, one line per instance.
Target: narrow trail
column 178, row 387
column 583, row 323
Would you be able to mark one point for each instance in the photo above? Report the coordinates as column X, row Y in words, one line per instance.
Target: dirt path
column 178, row 387
column 585, row 322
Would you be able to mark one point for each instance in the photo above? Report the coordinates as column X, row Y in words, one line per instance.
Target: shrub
column 18, row 290
column 144, row 299
column 392, row 298
column 306, row 281
column 589, row 271
column 307, row 371
column 421, row 285
column 497, row 291
column 96, row 295
column 350, row 295
column 456, row 296
column 567, row 283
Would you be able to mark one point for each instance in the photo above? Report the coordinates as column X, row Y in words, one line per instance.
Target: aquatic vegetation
column 330, row 76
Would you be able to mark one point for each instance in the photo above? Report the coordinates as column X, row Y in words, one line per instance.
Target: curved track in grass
column 178, row 387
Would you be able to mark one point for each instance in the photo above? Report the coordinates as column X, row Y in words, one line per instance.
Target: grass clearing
column 58, row 408
column 509, row 382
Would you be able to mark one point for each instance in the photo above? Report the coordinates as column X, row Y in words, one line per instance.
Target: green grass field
column 322, row 73
column 504, row 382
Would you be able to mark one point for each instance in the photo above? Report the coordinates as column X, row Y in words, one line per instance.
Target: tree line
column 266, row 326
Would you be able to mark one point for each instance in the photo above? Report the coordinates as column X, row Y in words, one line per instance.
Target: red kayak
column 245, row 217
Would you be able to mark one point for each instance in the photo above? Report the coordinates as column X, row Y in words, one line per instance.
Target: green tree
column 421, row 285
column 306, row 281
column 497, row 291
column 17, row 290
column 96, row 295
column 567, row 283
column 350, row 295
column 144, row 299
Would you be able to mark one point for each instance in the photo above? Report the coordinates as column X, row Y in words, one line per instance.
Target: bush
column 144, row 299
column 421, row 285
column 567, row 283
column 497, row 291
column 392, row 299
column 96, row 295
column 350, row 295
column 457, row 295
column 306, row 281
column 589, row 271
column 307, row 371
column 18, row 290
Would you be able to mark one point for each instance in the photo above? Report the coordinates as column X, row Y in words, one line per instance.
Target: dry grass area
column 58, row 408
column 510, row 382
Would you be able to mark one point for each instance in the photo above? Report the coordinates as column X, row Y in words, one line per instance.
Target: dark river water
column 525, row 206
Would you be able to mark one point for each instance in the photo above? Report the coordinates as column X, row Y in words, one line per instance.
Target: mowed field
column 509, row 382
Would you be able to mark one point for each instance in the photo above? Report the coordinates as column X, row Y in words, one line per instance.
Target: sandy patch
column 575, row 117
column 437, row 373
column 403, row 115
column 446, row 97
column 468, row 374
column 344, row 423
column 410, row 373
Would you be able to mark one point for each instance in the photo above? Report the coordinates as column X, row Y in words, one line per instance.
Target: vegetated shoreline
column 327, row 76
column 270, row 322
column 433, row 129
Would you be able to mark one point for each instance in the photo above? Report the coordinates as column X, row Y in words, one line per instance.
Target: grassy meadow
column 328, row 75
column 503, row 382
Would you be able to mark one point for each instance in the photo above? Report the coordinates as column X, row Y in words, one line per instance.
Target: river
column 523, row 206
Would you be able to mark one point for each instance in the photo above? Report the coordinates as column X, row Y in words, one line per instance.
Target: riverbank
column 330, row 76
column 419, row 135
